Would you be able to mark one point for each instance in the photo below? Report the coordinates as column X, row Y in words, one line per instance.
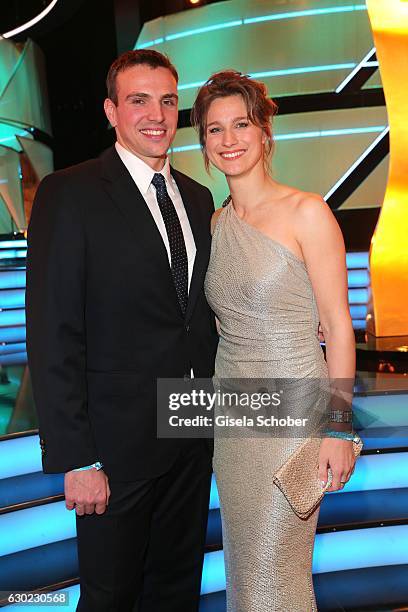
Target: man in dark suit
column 117, row 252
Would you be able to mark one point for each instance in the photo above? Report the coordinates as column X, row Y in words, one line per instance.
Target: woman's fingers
column 338, row 455
column 340, row 477
column 337, row 478
column 323, row 471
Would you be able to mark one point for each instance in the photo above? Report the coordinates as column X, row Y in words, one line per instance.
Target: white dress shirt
column 142, row 174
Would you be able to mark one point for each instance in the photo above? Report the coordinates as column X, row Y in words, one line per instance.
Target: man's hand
column 87, row 491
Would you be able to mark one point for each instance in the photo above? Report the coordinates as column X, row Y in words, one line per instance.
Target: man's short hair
column 147, row 57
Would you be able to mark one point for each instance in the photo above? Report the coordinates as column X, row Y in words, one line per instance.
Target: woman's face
column 233, row 144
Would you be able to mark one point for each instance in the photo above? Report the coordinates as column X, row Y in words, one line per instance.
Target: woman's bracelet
column 350, row 436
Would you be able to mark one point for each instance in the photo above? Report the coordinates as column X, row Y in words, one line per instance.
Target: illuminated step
column 13, row 334
column 35, row 526
column 12, row 298
column 359, row 324
column 358, row 312
column 357, row 261
column 358, row 281
column 13, row 244
column 13, row 254
column 20, row 456
column 12, row 279
column 373, row 588
column 376, row 438
column 358, row 296
column 361, row 507
column 11, row 318
column 29, row 487
column 16, row 347
column 37, row 567
column 358, row 548
column 13, row 359
column 13, row 249
column 358, row 278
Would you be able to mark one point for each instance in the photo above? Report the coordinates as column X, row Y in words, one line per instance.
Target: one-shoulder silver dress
column 262, row 296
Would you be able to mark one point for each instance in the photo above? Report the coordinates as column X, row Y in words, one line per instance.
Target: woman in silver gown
column 277, row 268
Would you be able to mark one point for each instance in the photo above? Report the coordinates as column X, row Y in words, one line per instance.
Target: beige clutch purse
column 297, row 478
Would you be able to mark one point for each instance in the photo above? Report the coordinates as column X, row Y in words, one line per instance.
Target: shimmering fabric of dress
column 263, row 298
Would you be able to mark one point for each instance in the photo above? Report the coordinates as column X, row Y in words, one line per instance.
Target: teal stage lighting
column 301, row 135
column 250, row 20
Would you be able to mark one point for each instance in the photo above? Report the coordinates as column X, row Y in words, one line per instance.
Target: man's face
column 145, row 118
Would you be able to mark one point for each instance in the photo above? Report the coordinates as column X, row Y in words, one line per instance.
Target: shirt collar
column 141, row 172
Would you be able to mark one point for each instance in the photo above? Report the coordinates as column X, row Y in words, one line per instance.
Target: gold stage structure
column 388, row 310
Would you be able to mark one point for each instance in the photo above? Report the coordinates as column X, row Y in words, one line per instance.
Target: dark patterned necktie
column 178, row 253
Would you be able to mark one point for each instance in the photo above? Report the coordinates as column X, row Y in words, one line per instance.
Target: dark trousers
column 145, row 554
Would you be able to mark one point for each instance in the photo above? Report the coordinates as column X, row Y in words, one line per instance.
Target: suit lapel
column 127, row 198
column 201, row 235
column 122, row 190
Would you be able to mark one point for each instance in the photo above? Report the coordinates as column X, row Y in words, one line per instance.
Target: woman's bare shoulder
column 305, row 203
column 306, row 209
column 312, row 207
column 313, row 214
column 299, row 198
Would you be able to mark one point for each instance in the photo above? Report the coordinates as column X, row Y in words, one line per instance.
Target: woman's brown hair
column 260, row 107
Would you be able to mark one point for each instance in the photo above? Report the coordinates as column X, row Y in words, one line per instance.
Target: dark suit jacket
column 103, row 318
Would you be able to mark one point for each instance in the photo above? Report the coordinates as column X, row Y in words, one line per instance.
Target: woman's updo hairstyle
column 260, row 107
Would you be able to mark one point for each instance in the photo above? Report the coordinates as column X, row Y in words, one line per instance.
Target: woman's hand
column 339, row 456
